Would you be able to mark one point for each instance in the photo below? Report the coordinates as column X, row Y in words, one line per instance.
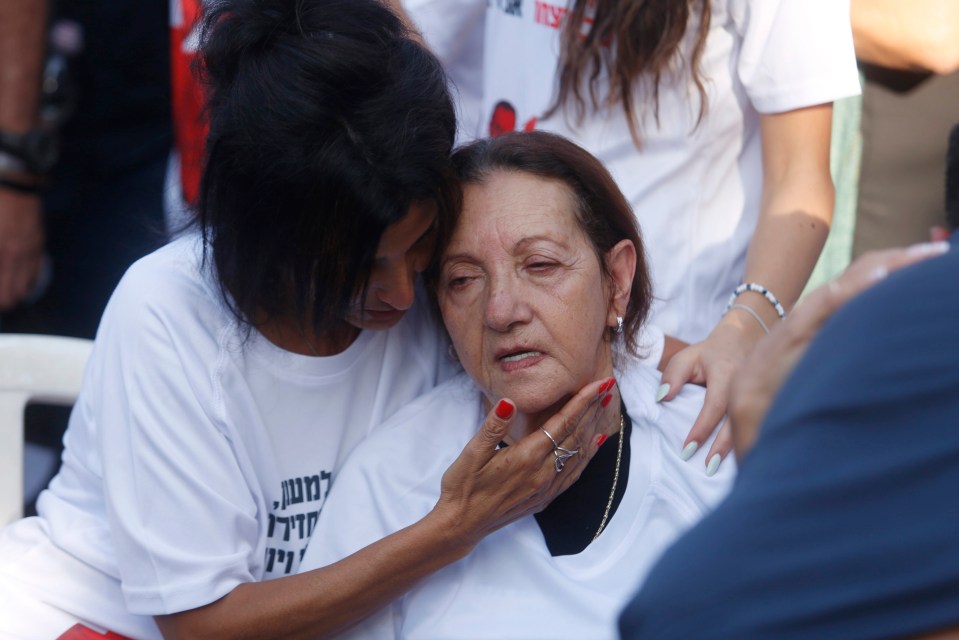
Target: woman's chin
column 533, row 405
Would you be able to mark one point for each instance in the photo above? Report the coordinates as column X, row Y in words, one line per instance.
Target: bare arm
column 483, row 490
column 794, row 218
column 796, row 208
column 22, row 28
column 324, row 601
column 917, row 35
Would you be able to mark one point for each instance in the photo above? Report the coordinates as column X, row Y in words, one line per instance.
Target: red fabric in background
column 80, row 632
column 190, row 129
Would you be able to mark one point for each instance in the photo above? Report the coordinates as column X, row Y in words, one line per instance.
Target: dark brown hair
column 627, row 39
column 603, row 213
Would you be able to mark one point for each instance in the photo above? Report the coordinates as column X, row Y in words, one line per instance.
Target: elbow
column 940, row 55
column 943, row 64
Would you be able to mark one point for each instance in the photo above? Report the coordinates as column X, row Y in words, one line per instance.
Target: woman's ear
column 621, row 265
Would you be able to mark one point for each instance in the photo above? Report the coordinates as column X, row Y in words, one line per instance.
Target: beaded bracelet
column 763, row 291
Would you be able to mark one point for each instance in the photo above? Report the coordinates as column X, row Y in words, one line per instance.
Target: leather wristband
column 35, row 185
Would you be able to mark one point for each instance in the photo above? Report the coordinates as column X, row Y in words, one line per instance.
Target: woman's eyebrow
column 526, row 242
column 518, row 246
column 455, row 257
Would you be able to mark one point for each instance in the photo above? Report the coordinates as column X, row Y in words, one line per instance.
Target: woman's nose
column 399, row 290
column 505, row 307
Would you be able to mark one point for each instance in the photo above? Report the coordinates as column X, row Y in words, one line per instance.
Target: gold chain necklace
column 612, row 493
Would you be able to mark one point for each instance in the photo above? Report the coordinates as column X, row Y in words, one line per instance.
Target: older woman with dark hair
column 236, row 368
column 542, row 284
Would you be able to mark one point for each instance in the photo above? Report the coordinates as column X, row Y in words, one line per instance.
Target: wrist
column 753, row 307
column 452, row 538
column 34, row 151
column 22, row 182
column 741, row 329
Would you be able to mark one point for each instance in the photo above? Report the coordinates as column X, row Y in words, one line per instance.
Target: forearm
column 919, row 35
column 789, row 237
column 328, row 600
column 22, row 28
column 796, row 207
column 22, row 25
column 483, row 490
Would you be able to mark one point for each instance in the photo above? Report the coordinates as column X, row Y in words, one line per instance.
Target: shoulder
column 776, row 64
column 638, row 384
column 757, row 14
column 663, row 428
column 170, row 282
column 164, row 319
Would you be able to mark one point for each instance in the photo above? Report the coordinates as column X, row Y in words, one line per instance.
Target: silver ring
column 561, row 454
column 551, row 439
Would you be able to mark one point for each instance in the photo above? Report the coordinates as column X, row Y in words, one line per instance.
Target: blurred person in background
column 908, row 52
column 84, row 139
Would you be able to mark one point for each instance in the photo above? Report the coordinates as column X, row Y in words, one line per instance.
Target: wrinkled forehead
column 508, row 206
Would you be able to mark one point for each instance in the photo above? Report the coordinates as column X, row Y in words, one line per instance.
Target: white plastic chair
column 36, row 368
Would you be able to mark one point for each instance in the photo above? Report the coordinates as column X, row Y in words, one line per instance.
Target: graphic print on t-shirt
column 292, row 520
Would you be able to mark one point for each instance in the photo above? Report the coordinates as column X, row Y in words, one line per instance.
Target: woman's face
column 403, row 252
column 522, row 293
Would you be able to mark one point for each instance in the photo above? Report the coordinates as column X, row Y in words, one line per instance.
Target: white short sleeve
column 795, row 53
column 180, row 509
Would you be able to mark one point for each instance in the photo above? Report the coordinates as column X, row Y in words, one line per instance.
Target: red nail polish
column 605, row 401
column 504, row 410
column 601, row 439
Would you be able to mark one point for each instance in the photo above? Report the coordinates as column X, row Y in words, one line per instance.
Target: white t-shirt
column 694, row 189
column 510, row 586
column 199, row 457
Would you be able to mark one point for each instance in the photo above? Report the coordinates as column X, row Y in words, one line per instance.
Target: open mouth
column 520, row 355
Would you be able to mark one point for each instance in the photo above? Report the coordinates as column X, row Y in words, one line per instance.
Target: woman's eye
column 541, row 266
column 457, row 282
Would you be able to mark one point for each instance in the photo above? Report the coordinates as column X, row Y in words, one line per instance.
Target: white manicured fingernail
column 689, row 450
column 878, row 273
column 662, row 391
column 713, row 465
column 930, row 247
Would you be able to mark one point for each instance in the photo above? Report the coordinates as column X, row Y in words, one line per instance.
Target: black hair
column 327, row 121
column 952, row 180
column 603, row 213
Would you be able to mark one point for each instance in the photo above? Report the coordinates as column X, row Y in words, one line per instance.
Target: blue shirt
column 844, row 520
